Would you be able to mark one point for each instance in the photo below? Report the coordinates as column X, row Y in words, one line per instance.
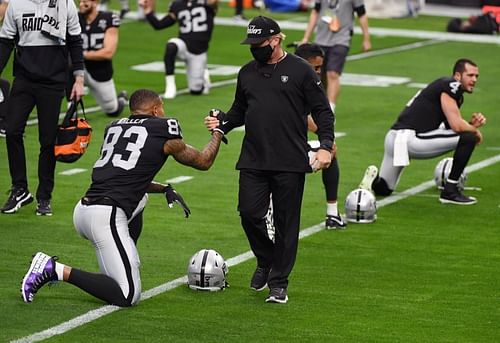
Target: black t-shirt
column 273, row 101
column 93, row 39
column 196, row 23
column 424, row 112
column 131, row 155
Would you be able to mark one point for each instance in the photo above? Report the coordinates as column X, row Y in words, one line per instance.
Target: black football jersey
column 196, row 23
column 131, row 155
column 93, row 39
column 423, row 112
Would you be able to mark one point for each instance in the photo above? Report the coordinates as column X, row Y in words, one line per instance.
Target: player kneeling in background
column 100, row 41
column 431, row 125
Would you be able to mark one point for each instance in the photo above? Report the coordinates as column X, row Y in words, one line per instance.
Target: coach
column 274, row 93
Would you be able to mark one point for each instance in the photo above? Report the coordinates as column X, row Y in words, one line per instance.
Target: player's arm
column 108, row 49
column 149, row 10
column 189, row 156
column 455, row 120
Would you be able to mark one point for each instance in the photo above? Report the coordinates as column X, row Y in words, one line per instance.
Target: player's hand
column 77, row 90
column 172, row 196
column 479, row 137
column 320, row 160
column 146, row 5
column 478, row 119
column 214, row 121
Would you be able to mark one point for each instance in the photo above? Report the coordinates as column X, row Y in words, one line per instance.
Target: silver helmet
column 442, row 171
column 361, row 206
column 207, row 271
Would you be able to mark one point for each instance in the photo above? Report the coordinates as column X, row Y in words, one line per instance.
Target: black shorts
column 335, row 57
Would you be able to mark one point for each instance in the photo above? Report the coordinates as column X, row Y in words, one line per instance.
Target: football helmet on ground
column 442, row 171
column 361, row 206
column 207, row 271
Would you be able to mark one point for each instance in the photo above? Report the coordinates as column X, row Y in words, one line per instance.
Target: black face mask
column 262, row 54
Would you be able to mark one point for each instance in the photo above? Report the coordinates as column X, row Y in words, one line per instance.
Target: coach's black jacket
column 273, row 101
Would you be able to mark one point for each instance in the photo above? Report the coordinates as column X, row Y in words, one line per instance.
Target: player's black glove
column 172, row 196
column 220, row 115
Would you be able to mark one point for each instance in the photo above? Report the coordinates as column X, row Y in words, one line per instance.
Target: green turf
column 424, row 272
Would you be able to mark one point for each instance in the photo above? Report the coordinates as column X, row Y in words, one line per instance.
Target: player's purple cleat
column 41, row 271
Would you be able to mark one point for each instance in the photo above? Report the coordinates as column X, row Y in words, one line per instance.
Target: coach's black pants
column 25, row 95
column 287, row 189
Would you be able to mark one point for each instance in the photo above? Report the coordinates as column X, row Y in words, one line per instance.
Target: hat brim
column 254, row 40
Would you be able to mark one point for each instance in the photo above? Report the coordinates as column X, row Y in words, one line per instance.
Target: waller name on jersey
column 32, row 23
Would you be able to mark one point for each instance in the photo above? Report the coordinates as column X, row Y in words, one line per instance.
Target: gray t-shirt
column 344, row 10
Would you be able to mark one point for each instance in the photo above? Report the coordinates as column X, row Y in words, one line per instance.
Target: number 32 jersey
column 196, row 23
column 131, row 155
column 423, row 112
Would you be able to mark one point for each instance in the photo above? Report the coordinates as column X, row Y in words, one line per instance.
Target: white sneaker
column 370, row 175
column 206, row 82
column 170, row 87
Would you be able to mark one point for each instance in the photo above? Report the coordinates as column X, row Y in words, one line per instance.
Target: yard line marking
column 179, row 179
column 107, row 309
column 73, row 171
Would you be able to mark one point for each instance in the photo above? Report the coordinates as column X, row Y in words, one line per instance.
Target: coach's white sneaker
column 370, row 175
column 170, row 87
column 206, row 82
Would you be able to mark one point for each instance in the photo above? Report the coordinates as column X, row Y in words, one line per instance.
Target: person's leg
column 287, row 190
column 196, row 70
column 105, row 95
column 253, row 204
column 333, row 65
column 48, row 104
column 106, row 227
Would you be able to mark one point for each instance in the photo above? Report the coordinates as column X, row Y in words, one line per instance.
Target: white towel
column 56, row 15
column 401, row 158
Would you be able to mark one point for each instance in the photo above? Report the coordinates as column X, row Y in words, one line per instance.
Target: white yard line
column 107, row 309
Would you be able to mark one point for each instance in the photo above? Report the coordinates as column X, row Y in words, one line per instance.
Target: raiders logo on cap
column 259, row 29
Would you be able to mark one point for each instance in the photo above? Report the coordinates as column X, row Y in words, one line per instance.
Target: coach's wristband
column 78, row 73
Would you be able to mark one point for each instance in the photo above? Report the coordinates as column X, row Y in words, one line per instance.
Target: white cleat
column 370, row 175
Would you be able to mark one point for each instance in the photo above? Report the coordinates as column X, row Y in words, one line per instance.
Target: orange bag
column 73, row 136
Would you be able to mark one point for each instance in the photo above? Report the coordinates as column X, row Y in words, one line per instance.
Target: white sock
column 332, row 106
column 60, row 271
column 331, row 209
column 170, row 80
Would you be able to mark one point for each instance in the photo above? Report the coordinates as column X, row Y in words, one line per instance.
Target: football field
column 423, row 272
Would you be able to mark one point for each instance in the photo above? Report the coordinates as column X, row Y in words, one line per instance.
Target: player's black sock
column 169, row 58
column 463, row 152
column 100, row 286
column 330, row 178
column 380, row 187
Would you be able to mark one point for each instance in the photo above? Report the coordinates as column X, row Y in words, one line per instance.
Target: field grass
column 423, row 272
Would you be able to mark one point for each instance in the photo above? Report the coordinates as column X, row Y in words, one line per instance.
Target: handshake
column 214, row 121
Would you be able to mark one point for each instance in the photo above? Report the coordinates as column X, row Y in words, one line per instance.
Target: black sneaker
column 259, row 279
column 452, row 195
column 18, row 197
column 43, row 208
column 335, row 222
column 277, row 295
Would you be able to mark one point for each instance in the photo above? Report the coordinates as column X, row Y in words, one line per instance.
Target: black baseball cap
column 259, row 29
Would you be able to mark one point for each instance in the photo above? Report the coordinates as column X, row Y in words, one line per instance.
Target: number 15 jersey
column 423, row 112
column 131, row 155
